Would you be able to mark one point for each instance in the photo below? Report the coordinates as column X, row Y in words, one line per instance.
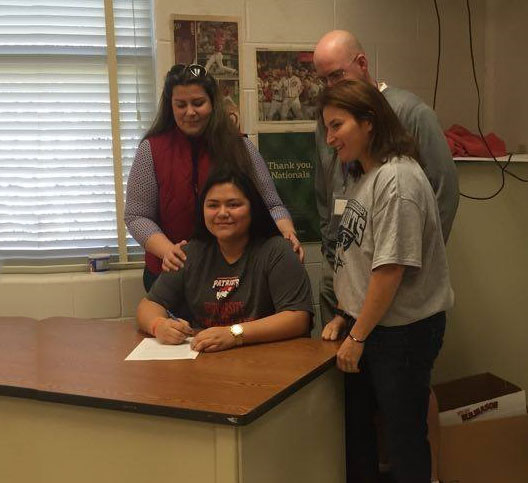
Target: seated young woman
column 242, row 283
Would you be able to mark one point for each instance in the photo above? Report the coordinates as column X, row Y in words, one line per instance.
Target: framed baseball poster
column 212, row 42
column 290, row 159
column 287, row 86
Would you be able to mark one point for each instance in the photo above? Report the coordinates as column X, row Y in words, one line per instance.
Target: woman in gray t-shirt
column 390, row 277
column 241, row 282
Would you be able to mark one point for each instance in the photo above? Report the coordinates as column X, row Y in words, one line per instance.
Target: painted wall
column 507, row 71
column 105, row 295
column 488, row 259
column 488, row 250
column 400, row 39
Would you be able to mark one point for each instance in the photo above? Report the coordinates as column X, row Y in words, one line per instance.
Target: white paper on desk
column 149, row 349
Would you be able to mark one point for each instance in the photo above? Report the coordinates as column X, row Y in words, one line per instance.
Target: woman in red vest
column 192, row 132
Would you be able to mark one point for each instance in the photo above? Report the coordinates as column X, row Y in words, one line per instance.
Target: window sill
column 74, row 268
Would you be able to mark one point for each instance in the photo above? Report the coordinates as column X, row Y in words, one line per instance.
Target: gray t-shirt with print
column 391, row 217
column 267, row 279
column 420, row 121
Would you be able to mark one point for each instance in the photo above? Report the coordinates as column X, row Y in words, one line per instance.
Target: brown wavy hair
column 222, row 138
column 366, row 103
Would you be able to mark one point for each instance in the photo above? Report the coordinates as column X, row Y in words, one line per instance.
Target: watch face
column 237, row 329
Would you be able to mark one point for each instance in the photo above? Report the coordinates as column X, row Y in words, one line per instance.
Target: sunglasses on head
column 193, row 70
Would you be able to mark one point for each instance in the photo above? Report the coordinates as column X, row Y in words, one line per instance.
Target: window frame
column 125, row 258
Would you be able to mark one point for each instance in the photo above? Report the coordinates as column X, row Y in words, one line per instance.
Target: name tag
column 339, row 206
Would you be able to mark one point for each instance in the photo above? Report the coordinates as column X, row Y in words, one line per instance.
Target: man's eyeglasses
column 193, row 70
column 333, row 78
column 339, row 74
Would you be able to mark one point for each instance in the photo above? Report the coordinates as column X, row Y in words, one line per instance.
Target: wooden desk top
column 81, row 362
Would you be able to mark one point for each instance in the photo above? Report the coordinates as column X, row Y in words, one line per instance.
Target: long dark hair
column 366, row 103
column 221, row 137
column 262, row 224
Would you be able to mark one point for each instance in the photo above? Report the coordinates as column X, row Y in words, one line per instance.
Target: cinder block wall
column 107, row 295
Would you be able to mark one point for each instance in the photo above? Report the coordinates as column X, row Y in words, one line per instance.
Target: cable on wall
column 503, row 168
column 516, row 176
column 439, row 49
column 503, row 182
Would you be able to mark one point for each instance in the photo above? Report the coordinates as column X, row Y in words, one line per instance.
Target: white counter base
column 300, row 440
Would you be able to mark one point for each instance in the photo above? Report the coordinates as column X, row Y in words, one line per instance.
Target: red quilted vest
column 173, row 167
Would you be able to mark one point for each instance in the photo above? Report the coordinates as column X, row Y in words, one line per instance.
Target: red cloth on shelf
column 464, row 143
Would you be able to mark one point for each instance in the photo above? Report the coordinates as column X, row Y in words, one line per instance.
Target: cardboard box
column 485, row 452
column 478, row 398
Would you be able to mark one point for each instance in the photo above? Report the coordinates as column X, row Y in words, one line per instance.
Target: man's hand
column 333, row 329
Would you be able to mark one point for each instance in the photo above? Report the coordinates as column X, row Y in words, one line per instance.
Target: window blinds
column 57, row 190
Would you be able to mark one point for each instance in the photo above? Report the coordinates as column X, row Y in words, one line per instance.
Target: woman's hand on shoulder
column 173, row 331
column 174, row 258
column 296, row 245
column 333, row 329
column 213, row 339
